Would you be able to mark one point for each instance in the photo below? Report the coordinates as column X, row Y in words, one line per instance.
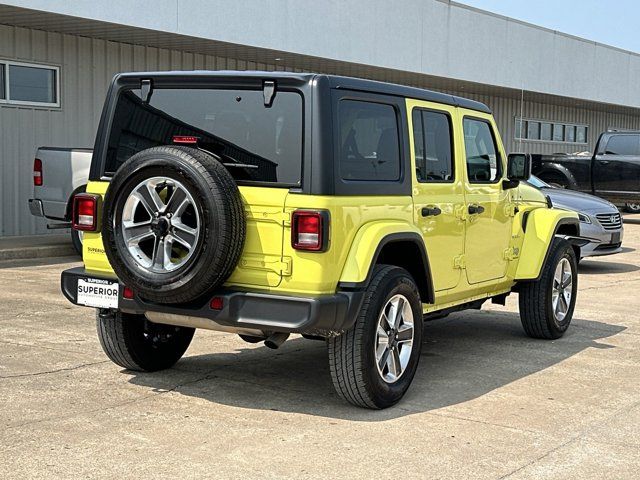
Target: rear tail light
column 85, row 212
column 127, row 293
column 37, row 172
column 309, row 230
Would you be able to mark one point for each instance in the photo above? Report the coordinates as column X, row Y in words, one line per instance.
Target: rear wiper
column 239, row 165
column 236, row 163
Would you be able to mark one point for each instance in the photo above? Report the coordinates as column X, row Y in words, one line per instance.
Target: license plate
column 94, row 292
column 615, row 238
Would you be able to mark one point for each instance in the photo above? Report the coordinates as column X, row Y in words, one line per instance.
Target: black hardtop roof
column 336, row 81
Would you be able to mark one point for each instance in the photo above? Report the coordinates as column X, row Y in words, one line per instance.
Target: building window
column 2, row 87
column 535, row 130
column 29, row 84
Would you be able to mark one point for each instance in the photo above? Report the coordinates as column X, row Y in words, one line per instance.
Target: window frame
column 495, row 146
column 525, row 127
column 401, row 187
column 447, row 114
column 7, row 84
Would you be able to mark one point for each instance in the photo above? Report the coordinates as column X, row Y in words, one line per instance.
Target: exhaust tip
column 275, row 340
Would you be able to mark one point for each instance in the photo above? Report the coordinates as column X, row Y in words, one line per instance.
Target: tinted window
column 432, row 141
column 483, row 162
column 264, row 143
column 369, row 148
column 31, row 84
column 2, row 85
column 623, row 145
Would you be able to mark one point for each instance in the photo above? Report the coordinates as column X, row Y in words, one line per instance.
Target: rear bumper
column 36, row 208
column 322, row 315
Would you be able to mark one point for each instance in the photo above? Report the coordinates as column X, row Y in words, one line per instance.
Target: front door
column 438, row 190
column 616, row 167
column 487, row 204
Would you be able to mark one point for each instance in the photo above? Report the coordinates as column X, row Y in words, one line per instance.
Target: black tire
column 555, row 180
column 135, row 343
column 76, row 240
column 352, row 356
column 221, row 236
column 536, row 298
column 632, row 207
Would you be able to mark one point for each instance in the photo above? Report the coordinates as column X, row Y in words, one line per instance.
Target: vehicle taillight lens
column 37, row 172
column 185, row 140
column 308, row 231
column 85, row 212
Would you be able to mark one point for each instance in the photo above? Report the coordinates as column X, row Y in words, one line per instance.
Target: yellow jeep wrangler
column 342, row 209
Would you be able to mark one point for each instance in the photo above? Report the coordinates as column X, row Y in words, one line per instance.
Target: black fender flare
column 424, row 280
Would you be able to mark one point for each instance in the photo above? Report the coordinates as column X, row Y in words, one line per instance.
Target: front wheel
column 632, row 207
column 372, row 365
column 546, row 305
column 135, row 343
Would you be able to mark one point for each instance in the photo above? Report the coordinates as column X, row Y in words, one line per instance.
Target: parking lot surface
column 487, row 402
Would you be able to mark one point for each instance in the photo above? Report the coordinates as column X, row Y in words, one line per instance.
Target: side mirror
column 518, row 169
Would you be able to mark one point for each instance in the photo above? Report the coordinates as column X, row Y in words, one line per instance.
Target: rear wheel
column 372, row 365
column 135, row 343
column 76, row 240
column 546, row 305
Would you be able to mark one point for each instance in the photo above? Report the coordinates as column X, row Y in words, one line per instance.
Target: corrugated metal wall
column 87, row 66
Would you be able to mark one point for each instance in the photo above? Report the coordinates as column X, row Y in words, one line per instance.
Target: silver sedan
column 599, row 219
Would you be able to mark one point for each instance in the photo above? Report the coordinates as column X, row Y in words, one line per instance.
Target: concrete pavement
column 487, row 402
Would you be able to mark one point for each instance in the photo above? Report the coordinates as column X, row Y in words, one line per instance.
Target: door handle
column 475, row 209
column 431, row 212
column 604, row 162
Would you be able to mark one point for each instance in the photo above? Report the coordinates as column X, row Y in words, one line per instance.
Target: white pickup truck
column 58, row 174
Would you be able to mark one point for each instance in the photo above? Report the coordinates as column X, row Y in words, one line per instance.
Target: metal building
column 550, row 92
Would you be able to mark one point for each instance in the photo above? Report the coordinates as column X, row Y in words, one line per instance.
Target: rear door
column 487, row 204
column 616, row 166
column 438, row 189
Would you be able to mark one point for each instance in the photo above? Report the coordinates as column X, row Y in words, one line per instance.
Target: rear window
column 623, row 145
column 264, row 143
column 369, row 145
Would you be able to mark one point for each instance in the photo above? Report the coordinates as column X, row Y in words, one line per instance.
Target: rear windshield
column 256, row 142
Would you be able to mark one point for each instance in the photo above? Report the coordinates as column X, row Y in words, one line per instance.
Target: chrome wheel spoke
column 562, row 289
column 384, row 358
column 177, row 202
column 185, row 235
column 393, row 363
column 137, row 231
column 394, row 338
column 150, row 198
column 405, row 334
column 160, row 224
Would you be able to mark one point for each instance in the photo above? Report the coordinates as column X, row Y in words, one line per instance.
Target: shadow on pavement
column 599, row 267
column 463, row 357
column 37, row 262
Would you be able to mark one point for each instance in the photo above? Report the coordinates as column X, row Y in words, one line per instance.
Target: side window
column 623, row 145
column 483, row 160
column 369, row 144
column 432, row 142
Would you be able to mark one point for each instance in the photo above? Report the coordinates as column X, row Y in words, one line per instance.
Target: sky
column 613, row 22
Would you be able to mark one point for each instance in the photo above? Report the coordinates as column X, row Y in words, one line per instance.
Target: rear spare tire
column 173, row 226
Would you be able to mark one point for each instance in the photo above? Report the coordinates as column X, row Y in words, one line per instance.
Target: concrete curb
column 41, row 246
